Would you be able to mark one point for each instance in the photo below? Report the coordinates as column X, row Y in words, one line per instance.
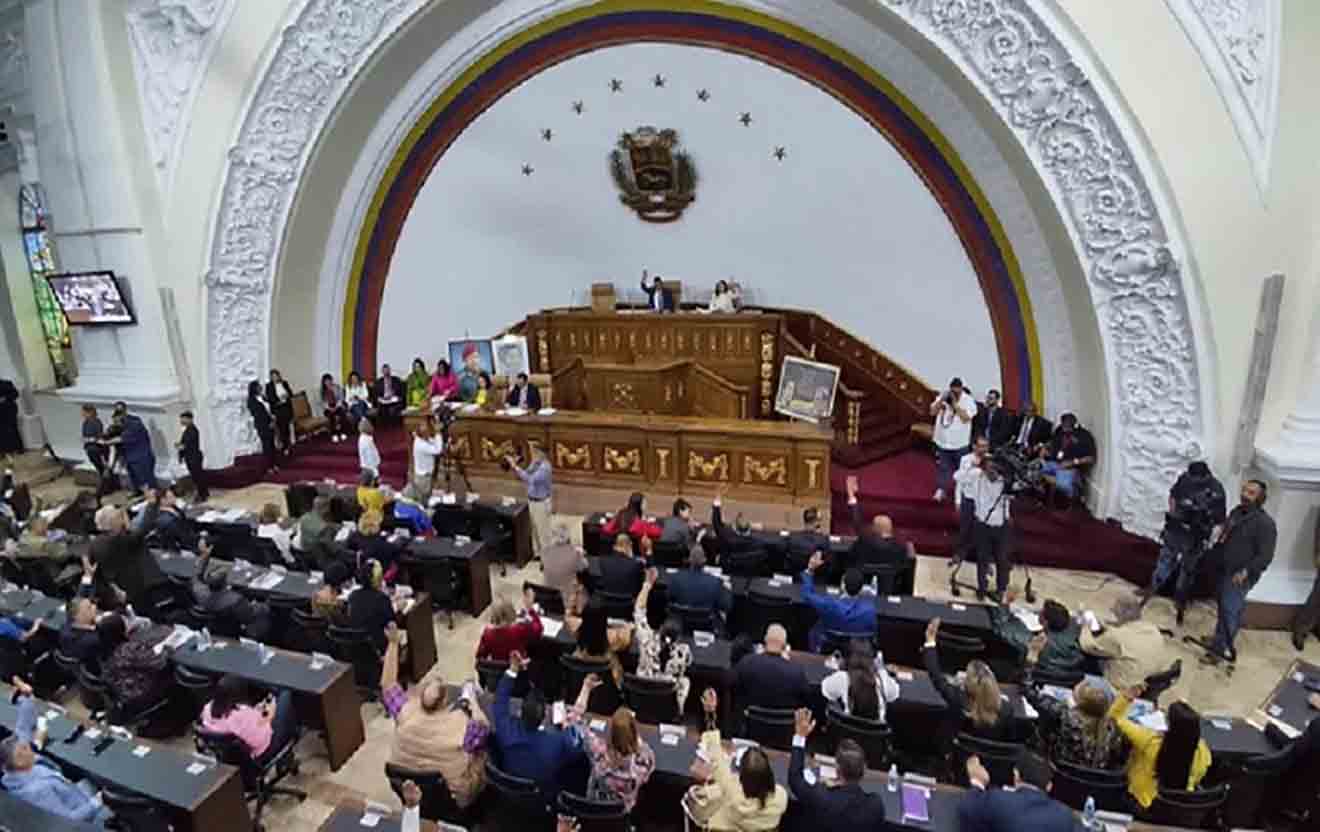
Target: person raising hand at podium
column 657, row 297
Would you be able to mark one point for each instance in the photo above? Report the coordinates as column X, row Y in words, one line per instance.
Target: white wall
column 485, row 245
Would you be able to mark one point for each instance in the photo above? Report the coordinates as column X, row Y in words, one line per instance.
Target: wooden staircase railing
column 879, row 400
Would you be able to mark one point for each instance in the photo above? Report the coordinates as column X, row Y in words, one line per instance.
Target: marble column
column 103, row 214
column 1291, row 465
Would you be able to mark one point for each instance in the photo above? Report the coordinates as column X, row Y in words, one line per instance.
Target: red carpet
column 901, row 486
column 317, row 458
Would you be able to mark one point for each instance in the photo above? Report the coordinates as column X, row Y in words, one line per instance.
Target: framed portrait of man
column 469, row 358
column 511, row 356
column 806, row 389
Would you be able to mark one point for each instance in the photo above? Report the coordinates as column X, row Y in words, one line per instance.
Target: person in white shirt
column 722, row 300
column 368, row 453
column 863, row 687
column 953, row 412
column 358, row 396
column 963, row 498
column 427, row 447
column 269, row 527
column 986, row 487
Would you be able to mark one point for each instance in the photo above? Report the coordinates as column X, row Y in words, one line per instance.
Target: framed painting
column 806, row 389
column 511, row 356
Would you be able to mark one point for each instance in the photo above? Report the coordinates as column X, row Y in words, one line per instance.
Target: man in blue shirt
column 35, row 780
column 526, row 747
column 853, row 613
column 538, row 477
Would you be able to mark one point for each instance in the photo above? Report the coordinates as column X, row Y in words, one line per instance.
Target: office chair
column 261, row 780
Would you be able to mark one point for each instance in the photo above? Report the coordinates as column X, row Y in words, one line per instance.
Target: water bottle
column 892, row 782
column 1088, row 813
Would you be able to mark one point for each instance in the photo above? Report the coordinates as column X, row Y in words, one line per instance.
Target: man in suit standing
column 1027, row 806
column 190, row 454
column 388, row 392
column 1033, row 430
column 993, row 421
column 692, row 587
column 524, row 394
column 841, row 806
column 658, row 297
column 769, row 679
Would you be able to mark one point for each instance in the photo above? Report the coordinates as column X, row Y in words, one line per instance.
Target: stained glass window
column 41, row 262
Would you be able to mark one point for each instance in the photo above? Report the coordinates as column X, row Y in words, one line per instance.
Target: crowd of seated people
column 446, row 730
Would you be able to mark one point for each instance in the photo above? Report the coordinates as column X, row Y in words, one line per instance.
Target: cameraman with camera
column 987, row 487
column 1197, row 508
column 952, row 433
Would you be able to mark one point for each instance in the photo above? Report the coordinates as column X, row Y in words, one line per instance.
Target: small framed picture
column 806, row 389
column 511, row 356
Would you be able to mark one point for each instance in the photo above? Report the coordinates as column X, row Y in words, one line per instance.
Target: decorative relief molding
column 622, row 461
column 1023, row 58
column 1238, row 41
column 325, row 45
column 496, row 451
column 765, row 472
column 1017, row 54
column 13, row 61
column 712, row 468
column 568, row 457
column 172, row 42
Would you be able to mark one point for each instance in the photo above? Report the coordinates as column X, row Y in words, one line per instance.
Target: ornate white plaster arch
column 1028, row 63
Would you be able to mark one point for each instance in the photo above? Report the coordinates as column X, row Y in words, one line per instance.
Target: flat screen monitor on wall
column 91, row 299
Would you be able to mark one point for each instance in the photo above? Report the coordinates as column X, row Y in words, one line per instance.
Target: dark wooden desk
column 347, row 817
column 1288, row 701
column 209, row 800
column 471, row 558
column 515, row 516
column 302, row 586
column 325, row 698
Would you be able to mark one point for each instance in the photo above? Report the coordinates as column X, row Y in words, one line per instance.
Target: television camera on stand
column 1021, row 477
column 450, row 462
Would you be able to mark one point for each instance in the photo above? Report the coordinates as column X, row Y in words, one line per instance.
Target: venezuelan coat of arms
column 654, row 177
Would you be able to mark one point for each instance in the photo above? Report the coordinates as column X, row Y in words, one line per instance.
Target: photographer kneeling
column 1197, row 508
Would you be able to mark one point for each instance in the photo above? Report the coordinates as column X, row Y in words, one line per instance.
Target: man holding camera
column 986, row 487
column 1197, row 508
column 953, row 411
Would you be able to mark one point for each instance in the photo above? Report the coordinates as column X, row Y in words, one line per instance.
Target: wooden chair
column 306, row 422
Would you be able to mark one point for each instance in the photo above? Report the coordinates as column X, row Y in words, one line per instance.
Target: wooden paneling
column 740, row 348
column 679, row 388
column 763, row 460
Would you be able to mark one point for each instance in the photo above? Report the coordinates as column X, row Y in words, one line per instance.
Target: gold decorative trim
column 813, row 473
column 578, row 458
column 662, row 463
column 493, row 452
column 543, row 350
column 627, row 462
column 460, row 448
column 623, row 397
column 703, row 468
column 754, row 470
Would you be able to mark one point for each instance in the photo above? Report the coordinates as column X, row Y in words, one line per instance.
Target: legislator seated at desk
column 768, row 679
column 694, row 588
column 982, row 710
column 618, row 572
column 876, row 545
column 806, row 541
column 853, row 613
column 1026, row 807
column 526, row 747
column 844, row 805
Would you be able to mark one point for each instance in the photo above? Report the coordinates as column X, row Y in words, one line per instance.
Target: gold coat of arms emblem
column 654, row 177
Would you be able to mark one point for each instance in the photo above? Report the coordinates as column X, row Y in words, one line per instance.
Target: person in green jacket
column 1062, row 653
column 417, row 384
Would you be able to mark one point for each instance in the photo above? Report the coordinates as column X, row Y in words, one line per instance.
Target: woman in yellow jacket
column 750, row 802
column 1176, row 759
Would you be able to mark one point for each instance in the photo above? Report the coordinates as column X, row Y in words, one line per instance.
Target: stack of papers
column 546, row 411
column 268, row 581
column 515, row 411
column 1028, row 617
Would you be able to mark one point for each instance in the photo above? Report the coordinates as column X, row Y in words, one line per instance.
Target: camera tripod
column 451, row 462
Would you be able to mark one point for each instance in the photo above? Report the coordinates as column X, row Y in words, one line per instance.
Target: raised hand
column 592, row 682
column 976, row 772
column 851, row 484
column 816, row 562
column 412, row 794
column 803, row 722
column 932, row 629
column 652, row 575
column 392, row 633
column 710, row 701
column 517, row 662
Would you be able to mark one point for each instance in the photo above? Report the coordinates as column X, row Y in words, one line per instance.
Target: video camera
column 1018, row 472
column 1194, row 513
